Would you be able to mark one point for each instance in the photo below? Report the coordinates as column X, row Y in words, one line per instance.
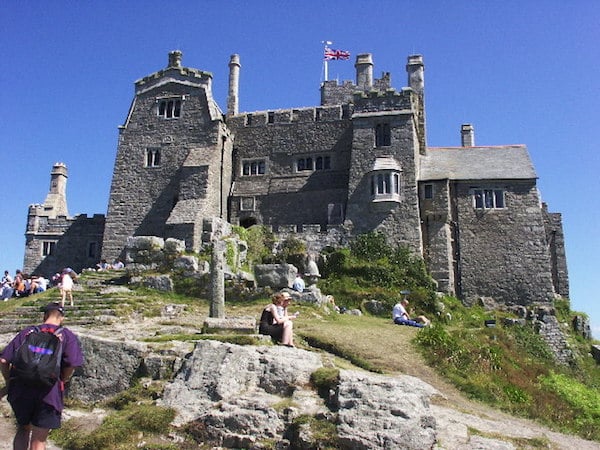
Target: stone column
column 217, row 262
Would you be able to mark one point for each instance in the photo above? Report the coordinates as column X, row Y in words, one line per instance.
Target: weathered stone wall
column 285, row 195
column 556, row 246
column 437, row 235
column 503, row 252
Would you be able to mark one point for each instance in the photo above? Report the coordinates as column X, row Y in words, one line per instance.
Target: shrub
column 370, row 246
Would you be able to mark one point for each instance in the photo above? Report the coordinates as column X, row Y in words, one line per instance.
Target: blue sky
column 522, row 72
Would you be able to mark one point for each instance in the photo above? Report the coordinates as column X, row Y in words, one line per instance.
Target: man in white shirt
column 401, row 317
column 299, row 284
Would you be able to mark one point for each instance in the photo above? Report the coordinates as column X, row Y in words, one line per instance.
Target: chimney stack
column 467, row 135
column 175, row 58
column 416, row 73
column 56, row 200
column 364, row 71
column 234, row 82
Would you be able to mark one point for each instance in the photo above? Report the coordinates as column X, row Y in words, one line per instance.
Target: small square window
column 247, row 204
column 428, row 191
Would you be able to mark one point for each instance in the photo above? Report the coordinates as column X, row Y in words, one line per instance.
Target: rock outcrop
column 246, row 394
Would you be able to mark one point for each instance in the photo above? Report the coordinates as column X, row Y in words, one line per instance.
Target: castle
column 356, row 163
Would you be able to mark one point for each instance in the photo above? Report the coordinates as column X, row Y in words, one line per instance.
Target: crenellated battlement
column 388, row 100
column 286, row 116
column 174, row 72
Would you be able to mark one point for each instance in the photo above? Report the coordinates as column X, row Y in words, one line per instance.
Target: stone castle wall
column 77, row 243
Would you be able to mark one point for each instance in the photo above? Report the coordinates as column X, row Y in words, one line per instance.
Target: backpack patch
column 37, row 361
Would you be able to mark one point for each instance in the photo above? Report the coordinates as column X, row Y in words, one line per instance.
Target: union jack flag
column 331, row 54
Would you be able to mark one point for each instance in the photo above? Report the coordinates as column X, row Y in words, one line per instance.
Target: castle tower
column 173, row 164
column 234, row 82
column 364, row 71
column 56, row 200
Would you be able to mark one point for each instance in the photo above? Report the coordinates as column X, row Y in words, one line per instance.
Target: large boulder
column 276, row 276
column 110, row 367
column 384, row 412
column 235, row 395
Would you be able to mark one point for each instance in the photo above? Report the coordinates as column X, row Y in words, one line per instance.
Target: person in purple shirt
column 39, row 409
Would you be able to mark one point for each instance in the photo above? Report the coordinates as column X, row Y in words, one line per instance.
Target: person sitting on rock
column 401, row 317
column 274, row 321
column 299, row 284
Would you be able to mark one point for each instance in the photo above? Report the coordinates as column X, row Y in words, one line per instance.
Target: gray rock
column 162, row 283
column 110, row 366
column 384, row 412
column 235, row 390
column 277, row 276
column 186, row 263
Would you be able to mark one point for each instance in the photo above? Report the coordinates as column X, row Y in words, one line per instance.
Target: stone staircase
column 93, row 303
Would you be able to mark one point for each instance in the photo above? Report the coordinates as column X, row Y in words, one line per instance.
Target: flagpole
column 325, row 61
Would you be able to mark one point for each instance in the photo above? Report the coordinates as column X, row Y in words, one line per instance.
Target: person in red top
column 38, row 409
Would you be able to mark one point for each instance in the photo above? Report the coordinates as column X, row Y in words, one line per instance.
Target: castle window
column 383, row 135
column 48, row 247
column 385, row 186
column 428, row 191
column 152, row 157
column 247, row 204
column 271, row 117
column 312, row 163
column 488, row 198
column 256, row 167
column 92, row 249
column 169, row 108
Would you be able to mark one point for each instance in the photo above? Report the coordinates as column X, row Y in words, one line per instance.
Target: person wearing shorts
column 39, row 409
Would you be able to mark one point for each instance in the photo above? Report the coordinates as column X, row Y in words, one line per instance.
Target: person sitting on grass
column 401, row 317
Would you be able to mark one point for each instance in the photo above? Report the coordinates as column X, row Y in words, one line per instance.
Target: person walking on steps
column 36, row 365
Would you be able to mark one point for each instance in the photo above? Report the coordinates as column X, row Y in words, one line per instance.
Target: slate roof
column 507, row 162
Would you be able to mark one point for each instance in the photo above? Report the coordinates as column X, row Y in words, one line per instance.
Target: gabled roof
column 508, row 162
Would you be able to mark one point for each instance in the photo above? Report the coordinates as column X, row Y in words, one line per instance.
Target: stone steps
column 92, row 306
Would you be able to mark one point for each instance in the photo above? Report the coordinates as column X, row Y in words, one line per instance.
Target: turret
column 234, row 80
column 56, row 200
column 364, row 71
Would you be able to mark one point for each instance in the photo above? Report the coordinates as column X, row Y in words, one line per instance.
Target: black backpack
column 37, row 361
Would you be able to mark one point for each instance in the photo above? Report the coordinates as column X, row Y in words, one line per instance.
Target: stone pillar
column 467, row 135
column 364, row 71
column 217, row 264
column 234, row 82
